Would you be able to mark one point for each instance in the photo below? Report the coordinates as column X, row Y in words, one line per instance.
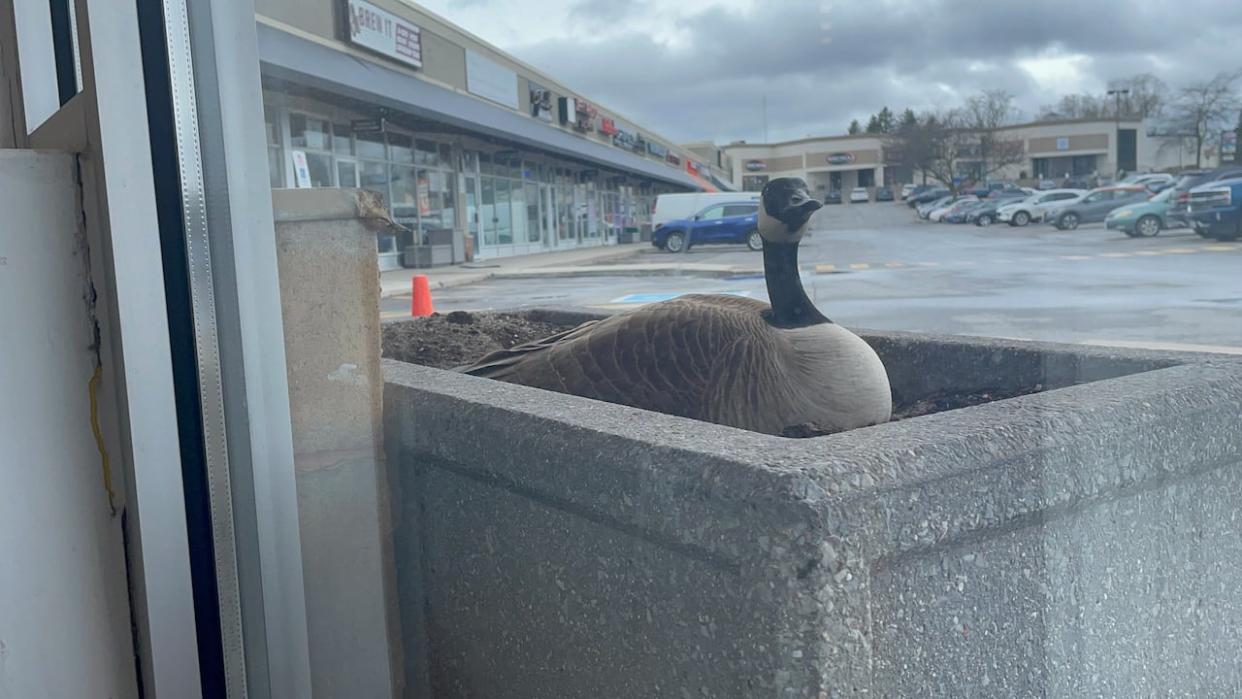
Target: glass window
column 400, row 148
column 370, row 145
column 346, row 173
column 714, row 212
column 271, row 116
column 435, row 199
column 320, row 167
column 405, row 194
column 504, row 214
column 485, row 164
column 488, row 217
column 373, row 176
column 309, row 132
column 740, row 210
column 472, row 206
column 275, row 169
column 342, row 139
column 469, row 161
column 446, row 155
column 517, row 201
column 532, row 212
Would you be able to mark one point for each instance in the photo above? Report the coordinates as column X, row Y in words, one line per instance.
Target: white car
column 906, row 189
column 1151, row 179
column 859, row 195
column 1037, row 206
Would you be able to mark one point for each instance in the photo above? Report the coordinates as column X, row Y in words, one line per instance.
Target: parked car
column 859, row 195
column 1215, row 209
column 832, row 197
column 684, row 205
column 884, row 194
column 1142, row 219
column 1080, row 182
column 1150, row 179
column 1189, row 180
column 955, row 204
column 1036, row 206
column 928, row 195
column 906, row 191
column 730, row 222
column 1094, row 207
column 986, row 215
column 926, row 208
column 961, row 212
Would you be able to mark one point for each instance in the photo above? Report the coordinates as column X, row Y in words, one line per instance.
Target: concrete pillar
column 329, row 286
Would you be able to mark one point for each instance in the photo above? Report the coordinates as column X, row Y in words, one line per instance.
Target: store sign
column 656, row 149
column 368, row 126
column 1063, row 143
column 490, row 80
column 584, row 115
column 1228, row 145
column 608, row 127
column 755, row 166
column 384, row 33
column 840, row 158
column 540, row 101
column 568, row 111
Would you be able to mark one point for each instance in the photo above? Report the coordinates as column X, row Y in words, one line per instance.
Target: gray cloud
column 900, row 54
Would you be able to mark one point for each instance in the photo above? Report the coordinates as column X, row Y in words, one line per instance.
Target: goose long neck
column 791, row 308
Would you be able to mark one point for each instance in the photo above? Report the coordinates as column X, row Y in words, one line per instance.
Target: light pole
column 1116, row 95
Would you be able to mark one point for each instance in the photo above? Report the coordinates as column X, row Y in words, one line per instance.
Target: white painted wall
column 64, row 612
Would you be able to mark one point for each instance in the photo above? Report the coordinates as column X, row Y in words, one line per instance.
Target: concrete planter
column 1081, row 541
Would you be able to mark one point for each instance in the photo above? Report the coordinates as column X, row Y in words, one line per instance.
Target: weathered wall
column 1075, row 542
column 64, row 611
column 329, row 285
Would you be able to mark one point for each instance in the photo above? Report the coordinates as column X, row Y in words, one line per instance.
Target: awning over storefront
column 312, row 64
column 703, row 183
column 721, row 184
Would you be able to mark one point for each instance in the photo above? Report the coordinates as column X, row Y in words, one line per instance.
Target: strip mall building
column 1054, row 150
column 471, row 147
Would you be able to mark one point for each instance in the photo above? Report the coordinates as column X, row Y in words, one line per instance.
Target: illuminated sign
column 384, row 33
column 840, row 158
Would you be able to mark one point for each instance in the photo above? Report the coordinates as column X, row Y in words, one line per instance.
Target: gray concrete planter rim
column 1031, row 443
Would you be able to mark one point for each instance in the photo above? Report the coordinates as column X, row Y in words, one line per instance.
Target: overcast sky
column 699, row 69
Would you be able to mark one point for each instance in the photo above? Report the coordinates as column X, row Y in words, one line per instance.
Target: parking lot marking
column 1075, row 257
column 825, row 268
column 1116, row 254
column 860, row 265
column 1181, row 251
column 1220, row 248
column 927, row 264
column 384, row 315
column 894, row 265
column 1149, row 252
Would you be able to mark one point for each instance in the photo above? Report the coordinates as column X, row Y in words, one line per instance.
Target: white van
column 674, row 206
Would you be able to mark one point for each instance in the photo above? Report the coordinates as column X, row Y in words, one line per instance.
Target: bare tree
column 1145, row 98
column 984, row 118
column 1202, row 109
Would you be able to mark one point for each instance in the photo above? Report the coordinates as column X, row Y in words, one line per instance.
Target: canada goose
column 724, row 359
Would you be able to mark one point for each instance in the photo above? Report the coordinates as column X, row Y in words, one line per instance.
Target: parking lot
column 877, row 266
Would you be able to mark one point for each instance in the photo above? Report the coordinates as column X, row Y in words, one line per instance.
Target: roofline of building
column 283, row 51
column 847, row 137
column 538, row 74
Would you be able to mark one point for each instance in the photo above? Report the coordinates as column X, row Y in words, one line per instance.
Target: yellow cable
column 93, row 389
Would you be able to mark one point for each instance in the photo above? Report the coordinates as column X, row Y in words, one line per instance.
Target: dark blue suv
column 732, row 222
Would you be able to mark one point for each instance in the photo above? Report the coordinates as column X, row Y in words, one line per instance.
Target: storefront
column 503, row 163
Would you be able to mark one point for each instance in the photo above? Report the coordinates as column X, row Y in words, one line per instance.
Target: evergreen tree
column 854, row 127
column 885, row 120
column 873, row 125
column 908, row 120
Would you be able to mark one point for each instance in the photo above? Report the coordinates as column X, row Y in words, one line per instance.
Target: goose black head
column 785, row 208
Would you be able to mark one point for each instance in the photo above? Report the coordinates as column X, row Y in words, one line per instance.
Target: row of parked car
column 1139, row 206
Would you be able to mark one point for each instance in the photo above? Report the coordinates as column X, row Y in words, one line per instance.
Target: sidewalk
column 604, row 261
column 397, row 282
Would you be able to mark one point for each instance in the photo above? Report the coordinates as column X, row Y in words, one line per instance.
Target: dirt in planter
column 460, row 338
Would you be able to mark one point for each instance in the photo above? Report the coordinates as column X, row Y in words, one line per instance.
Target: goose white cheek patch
column 774, row 230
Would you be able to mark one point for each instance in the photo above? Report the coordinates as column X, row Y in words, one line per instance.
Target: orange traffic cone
column 420, row 302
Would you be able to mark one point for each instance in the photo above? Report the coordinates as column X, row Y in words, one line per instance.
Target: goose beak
column 799, row 209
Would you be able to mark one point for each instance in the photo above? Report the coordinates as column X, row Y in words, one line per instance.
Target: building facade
column 1051, row 151
column 475, row 152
